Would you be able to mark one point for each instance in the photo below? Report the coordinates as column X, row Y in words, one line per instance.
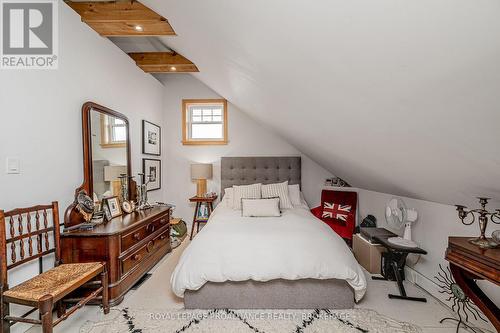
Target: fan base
column 399, row 241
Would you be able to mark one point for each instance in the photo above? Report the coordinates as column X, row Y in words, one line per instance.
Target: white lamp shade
column 112, row 172
column 201, row 171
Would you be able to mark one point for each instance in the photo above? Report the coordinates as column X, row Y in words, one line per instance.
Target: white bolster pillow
column 260, row 207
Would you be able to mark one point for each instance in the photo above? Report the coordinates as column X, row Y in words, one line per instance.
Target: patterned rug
column 256, row 321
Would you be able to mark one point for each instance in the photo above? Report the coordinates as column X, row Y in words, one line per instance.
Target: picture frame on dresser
column 152, row 166
column 113, row 206
column 151, row 138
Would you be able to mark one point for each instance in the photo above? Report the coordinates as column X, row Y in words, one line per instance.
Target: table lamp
column 201, row 172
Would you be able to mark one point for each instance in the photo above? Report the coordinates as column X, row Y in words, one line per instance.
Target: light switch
column 13, row 165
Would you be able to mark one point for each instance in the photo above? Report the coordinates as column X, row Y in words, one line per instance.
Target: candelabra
column 484, row 217
column 124, row 187
column 143, row 191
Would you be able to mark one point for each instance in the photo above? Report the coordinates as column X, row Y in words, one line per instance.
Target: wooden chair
column 28, row 226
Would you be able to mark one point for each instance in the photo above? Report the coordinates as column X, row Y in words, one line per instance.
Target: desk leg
column 470, row 288
column 398, row 267
column 194, row 220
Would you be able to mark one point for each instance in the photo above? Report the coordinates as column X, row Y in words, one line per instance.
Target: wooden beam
column 163, row 62
column 122, row 18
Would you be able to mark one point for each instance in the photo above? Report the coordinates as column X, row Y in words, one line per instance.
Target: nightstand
column 197, row 211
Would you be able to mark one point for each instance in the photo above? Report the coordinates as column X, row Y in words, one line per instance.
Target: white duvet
column 294, row 246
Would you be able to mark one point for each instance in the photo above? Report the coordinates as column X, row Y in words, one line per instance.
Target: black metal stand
column 460, row 322
column 398, row 262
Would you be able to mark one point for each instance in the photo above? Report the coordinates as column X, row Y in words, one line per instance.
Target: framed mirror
column 106, row 157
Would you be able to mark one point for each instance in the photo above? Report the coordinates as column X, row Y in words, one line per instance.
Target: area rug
column 257, row 321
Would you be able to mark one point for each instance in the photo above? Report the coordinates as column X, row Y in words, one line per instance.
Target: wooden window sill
column 204, row 143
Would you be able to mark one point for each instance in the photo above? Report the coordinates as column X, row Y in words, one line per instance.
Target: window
column 113, row 132
column 204, row 122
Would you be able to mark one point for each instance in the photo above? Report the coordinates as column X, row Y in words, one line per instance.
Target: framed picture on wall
column 151, row 138
column 152, row 169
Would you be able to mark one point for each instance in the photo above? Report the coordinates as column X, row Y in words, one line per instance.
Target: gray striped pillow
column 245, row 192
column 278, row 190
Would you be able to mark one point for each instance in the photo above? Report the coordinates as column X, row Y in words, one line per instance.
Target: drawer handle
column 137, row 236
column 163, row 221
column 149, row 246
column 136, row 257
column 151, row 228
column 163, row 236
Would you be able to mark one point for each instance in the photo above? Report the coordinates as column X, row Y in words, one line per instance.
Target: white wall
column 409, row 85
column 246, row 138
column 40, row 115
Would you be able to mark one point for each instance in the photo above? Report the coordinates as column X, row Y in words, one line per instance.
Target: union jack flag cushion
column 336, row 211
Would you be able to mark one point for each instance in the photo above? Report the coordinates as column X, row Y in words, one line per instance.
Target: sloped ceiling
column 396, row 96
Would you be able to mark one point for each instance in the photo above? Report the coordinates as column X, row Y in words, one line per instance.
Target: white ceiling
column 396, row 96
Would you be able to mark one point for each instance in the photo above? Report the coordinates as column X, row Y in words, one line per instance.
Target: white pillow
column 279, row 190
column 294, row 193
column 245, row 192
column 228, row 197
column 260, row 207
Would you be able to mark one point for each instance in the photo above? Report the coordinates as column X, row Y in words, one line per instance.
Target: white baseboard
column 425, row 283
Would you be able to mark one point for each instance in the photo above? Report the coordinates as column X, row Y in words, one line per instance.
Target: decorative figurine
column 84, row 205
column 462, row 304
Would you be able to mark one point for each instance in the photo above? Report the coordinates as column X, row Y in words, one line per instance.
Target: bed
column 294, row 261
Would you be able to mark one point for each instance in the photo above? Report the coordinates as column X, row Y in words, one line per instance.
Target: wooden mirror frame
column 72, row 216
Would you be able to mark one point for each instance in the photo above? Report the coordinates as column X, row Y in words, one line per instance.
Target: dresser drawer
column 130, row 239
column 135, row 258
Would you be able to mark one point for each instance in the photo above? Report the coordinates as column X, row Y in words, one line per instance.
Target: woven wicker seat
column 24, row 236
column 58, row 282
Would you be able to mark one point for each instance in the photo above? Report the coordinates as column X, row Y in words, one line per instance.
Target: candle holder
column 124, row 187
column 142, row 188
column 483, row 217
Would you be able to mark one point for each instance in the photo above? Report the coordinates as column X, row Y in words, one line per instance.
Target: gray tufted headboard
column 265, row 170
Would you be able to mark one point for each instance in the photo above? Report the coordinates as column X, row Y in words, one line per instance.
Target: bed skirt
column 275, row 294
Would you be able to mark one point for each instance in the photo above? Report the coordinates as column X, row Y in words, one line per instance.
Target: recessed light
column 173, row 68
column 138, row 28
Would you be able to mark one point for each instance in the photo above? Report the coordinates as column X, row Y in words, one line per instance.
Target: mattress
column 294, row 246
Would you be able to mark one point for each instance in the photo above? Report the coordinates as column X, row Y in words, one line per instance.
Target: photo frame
column 151, row 138
column 112, row 207
column 152, row 167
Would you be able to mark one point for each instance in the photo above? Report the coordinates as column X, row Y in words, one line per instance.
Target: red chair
column 344, row 229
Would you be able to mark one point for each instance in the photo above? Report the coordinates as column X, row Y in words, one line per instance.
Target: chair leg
column 105, row 293
column 45, row 307
column 4, row 311
column 61, row 309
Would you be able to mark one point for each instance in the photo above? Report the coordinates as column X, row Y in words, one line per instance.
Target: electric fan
column 397, row 215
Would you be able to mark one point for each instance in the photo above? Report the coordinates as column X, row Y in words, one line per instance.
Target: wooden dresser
column 130, row 245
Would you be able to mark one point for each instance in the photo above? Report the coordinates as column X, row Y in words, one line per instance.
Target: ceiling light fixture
column 138, row 28
column 173, row 68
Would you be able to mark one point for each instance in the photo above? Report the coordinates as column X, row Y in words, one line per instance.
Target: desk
column 469, row 262
column 398, row 262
